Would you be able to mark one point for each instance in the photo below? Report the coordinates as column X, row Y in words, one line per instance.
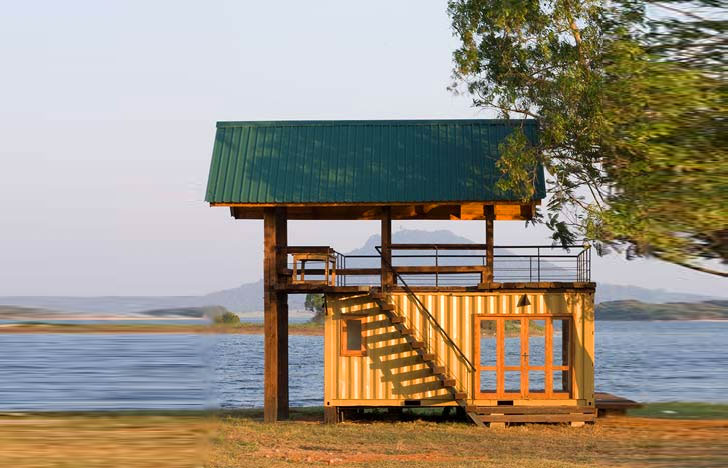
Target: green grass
column 682, row 410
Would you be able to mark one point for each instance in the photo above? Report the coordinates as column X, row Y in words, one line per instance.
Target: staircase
column 424, row 350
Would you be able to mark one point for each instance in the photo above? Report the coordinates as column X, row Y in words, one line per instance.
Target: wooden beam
column 275, row 319
column 504, row 210
column 315, row 249
column 409, row 270
column 489, row 218
column 387, row 275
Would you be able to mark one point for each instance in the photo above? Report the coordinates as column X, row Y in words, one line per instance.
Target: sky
column 107, row 119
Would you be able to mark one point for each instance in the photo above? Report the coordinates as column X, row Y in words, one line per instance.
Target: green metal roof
column 360, row 161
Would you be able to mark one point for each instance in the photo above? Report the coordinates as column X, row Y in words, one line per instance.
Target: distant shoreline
column 111, row 328
column 245, row 328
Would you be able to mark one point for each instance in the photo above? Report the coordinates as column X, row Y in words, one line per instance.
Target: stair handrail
column 424, row 309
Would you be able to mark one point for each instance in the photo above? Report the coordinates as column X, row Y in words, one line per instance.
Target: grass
column 682, row 410
column 420, row 438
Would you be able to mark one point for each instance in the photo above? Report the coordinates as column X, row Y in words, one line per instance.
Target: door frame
column 524, row 366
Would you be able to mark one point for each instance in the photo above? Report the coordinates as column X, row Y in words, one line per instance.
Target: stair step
column 428, row 356
column 448, row 382
column 438, row 370
column 417, row 344
column 460, row 395
column 397, row 319
column 377, row 295
column 406, row 331
column 386, row 307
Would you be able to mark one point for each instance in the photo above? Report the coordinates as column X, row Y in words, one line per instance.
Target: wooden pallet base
column 534, row 414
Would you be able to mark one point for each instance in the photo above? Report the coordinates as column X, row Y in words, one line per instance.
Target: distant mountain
column 636, row 310
column 249, row 297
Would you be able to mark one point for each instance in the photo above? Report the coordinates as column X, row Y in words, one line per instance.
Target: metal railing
column 457, row 264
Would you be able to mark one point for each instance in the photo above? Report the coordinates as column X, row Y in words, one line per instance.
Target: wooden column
column 275, row 319
column 489, row 218
column 387, row 275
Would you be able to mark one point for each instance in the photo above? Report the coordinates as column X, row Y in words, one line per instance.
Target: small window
column 352, row 338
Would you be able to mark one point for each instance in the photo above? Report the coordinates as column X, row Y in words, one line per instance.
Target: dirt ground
column 241, row 439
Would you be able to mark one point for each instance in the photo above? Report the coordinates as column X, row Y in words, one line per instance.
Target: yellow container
column 386, row 371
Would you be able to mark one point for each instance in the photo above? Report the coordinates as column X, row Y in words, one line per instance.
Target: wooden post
column 387, row 275
column 331, row 415
column 275, row 318
column 489, row 218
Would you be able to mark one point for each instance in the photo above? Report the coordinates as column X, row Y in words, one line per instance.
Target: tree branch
column 690, row 265
column 677, row 10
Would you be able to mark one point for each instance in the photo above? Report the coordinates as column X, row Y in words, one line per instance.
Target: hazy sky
column 107, row 118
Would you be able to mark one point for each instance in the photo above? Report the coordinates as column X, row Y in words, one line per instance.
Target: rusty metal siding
column 386, row 373
column 375, row 161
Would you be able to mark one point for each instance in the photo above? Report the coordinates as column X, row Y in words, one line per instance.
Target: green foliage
column 631, row 108
column 315, row 303
column 227, row 318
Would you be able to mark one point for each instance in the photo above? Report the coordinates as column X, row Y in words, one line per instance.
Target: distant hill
column 615, row 292
column 636, row 310
column 248, row 297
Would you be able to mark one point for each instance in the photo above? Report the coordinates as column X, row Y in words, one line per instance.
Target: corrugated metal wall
column 391, row 371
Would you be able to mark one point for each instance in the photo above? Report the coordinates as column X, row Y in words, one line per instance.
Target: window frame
column 343, row 335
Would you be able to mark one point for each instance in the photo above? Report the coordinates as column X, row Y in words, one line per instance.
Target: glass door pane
column 560, row 342
column 488, row 359
column 536, row 359
column 512, row 340
column 488, row 343
column 561, row 355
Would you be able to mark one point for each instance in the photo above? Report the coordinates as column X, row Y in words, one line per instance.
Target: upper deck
column 436, row 267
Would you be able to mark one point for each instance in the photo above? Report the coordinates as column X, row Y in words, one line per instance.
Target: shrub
column 227, row 318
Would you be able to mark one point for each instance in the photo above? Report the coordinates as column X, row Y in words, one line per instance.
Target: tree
column 631, row 106
column 227, row 318
column 315, row 303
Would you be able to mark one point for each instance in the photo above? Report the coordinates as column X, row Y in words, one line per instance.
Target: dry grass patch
column 235, row 439
column 102, row 440
column 612, row 442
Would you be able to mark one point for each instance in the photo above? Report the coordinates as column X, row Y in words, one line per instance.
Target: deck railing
column 448, row 264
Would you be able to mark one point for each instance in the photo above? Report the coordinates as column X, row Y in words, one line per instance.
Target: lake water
column 646, row 361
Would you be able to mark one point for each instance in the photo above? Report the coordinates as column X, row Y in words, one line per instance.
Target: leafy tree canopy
column 315, row 303
column 631, row 99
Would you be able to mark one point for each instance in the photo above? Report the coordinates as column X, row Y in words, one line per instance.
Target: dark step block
column 417, row 344
column 428, row 356
column 460, row 395
column 447, row 382
column 396, row 320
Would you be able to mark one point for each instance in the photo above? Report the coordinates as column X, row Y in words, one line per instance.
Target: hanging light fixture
column 523, row 301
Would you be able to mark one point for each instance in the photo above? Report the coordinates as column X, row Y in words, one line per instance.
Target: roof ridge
column 373, row 122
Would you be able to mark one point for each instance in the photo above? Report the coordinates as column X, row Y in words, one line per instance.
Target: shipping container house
column 506, row 333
